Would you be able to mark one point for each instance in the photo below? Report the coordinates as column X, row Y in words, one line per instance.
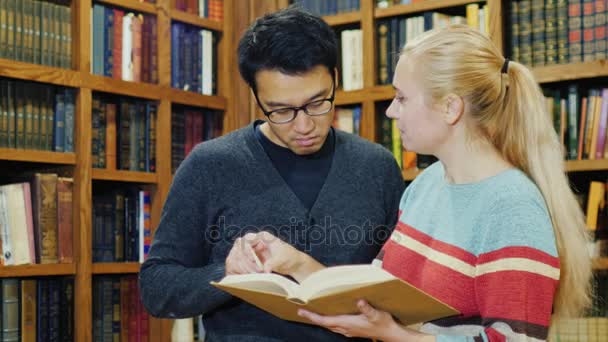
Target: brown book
column 44, row 198
column 335, row 291
column 28, row 310
column 136, row 32
column 65, row 230
column 124, row 308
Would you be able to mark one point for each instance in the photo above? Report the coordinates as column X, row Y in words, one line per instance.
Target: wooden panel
column 81, row 36
column 197, row 100
column 586, row 165
column 377, row 93
column 369, row 43
column 226, row 65
column 164, row 46
column 132, row 5
column 83, row 199
column 567, row 72
column 368, row 121
column 114, row 86
column 125, row 176
column 600, row 263
column 343, row 18
column 37, row 270
column 39, row 73
column 427, row 5
column 195, row 20
column 116, row 267
column 38, row 156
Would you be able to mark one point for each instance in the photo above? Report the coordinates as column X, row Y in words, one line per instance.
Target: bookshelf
column 79, row 163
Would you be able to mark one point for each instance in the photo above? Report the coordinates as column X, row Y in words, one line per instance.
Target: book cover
column 335, row 291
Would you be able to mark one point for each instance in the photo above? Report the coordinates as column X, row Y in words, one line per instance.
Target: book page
column 340, row 278
column 265, row 282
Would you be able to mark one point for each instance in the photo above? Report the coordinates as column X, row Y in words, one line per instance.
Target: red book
column 145, row 51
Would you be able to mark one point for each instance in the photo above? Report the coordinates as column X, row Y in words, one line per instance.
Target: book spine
column 551, row 32
column 525, row 32
column 575, row 31
column 70, row 103
column 108, row 40
column 65, row 230
column 600, row 30
column 59, row 120
column 117, row 49
column 514, row 34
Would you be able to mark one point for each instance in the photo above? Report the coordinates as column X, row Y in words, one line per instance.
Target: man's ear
column 454, row 108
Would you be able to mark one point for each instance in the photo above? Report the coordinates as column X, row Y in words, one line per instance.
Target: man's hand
column 280, row 257
column 242, row 258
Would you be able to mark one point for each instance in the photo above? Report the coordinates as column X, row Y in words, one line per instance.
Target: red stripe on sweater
column 438, row 245
column 495, row 336
column 519, row 252
column 445, row 284
column 516, row 295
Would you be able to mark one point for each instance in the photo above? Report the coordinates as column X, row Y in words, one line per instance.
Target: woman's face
column 419, row 121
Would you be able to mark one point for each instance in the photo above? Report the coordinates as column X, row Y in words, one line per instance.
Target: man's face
column 275, row 90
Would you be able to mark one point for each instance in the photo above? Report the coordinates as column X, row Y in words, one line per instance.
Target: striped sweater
column 486, row 248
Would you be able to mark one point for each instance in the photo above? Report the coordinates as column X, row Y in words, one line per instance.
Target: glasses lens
column 318, row 107
column 281, row 115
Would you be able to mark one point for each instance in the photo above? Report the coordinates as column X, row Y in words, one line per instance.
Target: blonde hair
column 508, row 109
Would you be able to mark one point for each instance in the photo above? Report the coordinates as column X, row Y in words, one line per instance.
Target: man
column 329, row 193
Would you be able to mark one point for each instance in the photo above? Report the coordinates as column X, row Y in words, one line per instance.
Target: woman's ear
column 454, row 108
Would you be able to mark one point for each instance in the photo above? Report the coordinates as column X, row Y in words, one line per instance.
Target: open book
column 335, row 291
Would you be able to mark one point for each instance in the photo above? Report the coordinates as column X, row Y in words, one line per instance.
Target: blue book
column 59, row 123
column 69, row 120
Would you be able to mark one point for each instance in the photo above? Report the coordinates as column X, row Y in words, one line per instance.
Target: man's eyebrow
column 280, row 104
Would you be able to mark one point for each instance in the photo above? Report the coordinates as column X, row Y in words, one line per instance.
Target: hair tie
column 505, row 66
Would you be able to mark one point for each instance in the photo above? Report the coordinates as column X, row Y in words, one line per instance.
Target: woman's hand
column 371, row 323
column 280, row 257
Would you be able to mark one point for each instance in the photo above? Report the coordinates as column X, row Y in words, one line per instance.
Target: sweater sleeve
column 516, row 274
column 174, row 279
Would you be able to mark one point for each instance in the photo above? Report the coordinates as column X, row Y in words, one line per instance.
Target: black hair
column 292, row 41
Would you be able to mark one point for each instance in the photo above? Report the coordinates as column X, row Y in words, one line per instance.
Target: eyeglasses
column 288, row 114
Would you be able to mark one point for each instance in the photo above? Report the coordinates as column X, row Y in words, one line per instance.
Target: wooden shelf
column 116, row 267
column 39, row 73
column 586, row 165
column 199, row 100
column 343, row 18
column 427, row 5
column 125, row 176
column 114, row 86
column 600, row 263
column 37, row 156
column 132, row 5
column 377, row 93
column 195, row 20
column 37, row 270
column 568, row 72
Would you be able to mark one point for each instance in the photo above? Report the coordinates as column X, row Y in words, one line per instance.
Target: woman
column 493, row 228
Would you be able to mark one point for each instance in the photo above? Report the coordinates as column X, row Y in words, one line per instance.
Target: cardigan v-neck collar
column 271, row 175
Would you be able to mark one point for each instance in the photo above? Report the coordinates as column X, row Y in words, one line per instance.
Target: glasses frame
column 298, row 109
